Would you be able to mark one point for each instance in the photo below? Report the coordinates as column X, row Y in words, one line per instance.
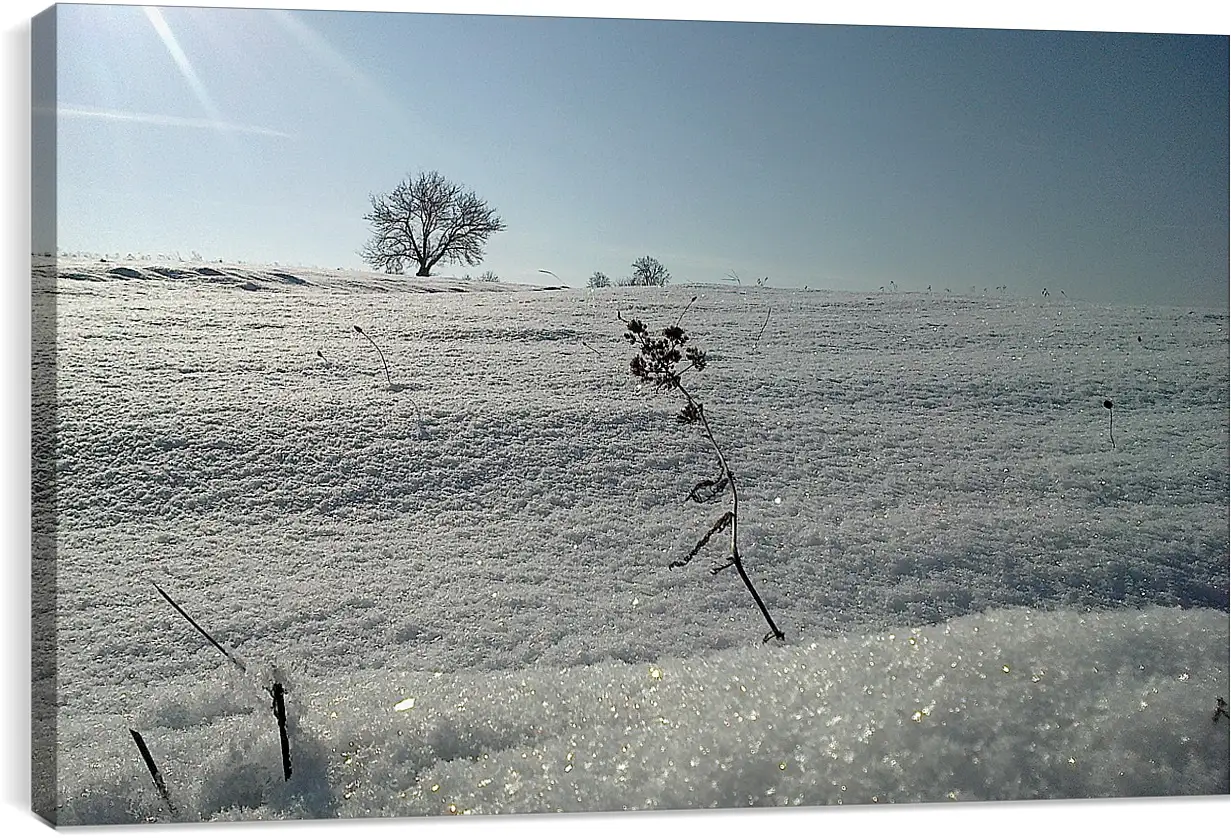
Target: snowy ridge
column 69, row 271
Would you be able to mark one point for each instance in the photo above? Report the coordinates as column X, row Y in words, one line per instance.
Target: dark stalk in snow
column 756, row 343
column 685, row 311
column 658, row 362
column 276, row 690
column 150, row 766
column 388, row 378
column 280, row 714
column 202, row 631
column 1110, row 418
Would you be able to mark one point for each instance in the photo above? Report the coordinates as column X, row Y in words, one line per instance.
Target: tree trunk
column 424, row 270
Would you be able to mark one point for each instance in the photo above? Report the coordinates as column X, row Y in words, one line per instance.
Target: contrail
column 84, row 112
column 215, row 120
column 181, row 60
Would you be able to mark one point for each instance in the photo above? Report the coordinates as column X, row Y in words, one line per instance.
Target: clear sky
column 830, row 156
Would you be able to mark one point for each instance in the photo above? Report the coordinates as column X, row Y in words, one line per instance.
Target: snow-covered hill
column 983, row 597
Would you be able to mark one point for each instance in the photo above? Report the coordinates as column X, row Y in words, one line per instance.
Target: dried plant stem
column 203, row 632
column 388, row 378
column 284, row 739
column 657, row 362
column 757, row 342
column 148, row 758
column 685, row 311
column 736, row 561
column 277, row 692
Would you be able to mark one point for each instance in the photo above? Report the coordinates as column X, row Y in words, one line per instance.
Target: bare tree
column 427, row 219
column 649, row 271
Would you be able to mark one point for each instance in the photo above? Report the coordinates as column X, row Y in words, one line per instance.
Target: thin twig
column 276, row 692
column 203, row 632
column 389, row 380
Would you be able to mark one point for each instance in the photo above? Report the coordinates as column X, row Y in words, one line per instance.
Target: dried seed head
column 675, row 334
column 639, row 367
column 1107, row 404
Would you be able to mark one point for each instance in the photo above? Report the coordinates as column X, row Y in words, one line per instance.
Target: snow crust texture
column 460, row 570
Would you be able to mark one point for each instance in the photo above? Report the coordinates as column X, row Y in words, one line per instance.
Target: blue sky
column 826, row 156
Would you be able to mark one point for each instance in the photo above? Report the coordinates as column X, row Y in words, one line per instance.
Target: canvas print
column 475, row 415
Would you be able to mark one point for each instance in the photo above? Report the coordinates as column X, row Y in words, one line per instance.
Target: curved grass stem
column 388, row 378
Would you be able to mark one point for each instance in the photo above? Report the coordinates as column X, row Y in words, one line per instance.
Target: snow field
column 500, row 521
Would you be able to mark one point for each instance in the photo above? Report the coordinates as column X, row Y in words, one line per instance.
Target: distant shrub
column 488, row 276
column 598, row 279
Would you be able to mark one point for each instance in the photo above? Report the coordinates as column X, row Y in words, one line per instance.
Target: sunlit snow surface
column 461, row 572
